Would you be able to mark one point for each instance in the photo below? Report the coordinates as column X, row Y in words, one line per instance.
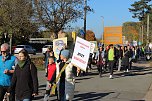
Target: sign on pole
column 81, row 53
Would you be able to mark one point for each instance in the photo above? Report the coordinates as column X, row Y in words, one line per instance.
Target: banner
column 81, row 53
column 113, row 35
column 59, row 44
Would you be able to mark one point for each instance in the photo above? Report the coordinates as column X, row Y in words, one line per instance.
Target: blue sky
column 115, row 13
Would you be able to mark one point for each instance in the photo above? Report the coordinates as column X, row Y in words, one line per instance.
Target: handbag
column 54, row 85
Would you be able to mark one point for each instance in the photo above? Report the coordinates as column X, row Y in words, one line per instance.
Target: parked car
column 148, row 53
column 29, row 48
column 44, row 49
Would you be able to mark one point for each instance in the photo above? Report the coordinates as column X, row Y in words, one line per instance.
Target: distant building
column 113, row 35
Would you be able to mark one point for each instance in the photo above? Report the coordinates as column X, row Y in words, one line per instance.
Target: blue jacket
column 5, row 79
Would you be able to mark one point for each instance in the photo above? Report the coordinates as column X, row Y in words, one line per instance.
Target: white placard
column 59, row 44
column 81, row 53
column 92, row 47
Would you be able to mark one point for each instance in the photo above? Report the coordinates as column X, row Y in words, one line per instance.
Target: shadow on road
column 84, row 78
column 135, row 71
column 90, row 96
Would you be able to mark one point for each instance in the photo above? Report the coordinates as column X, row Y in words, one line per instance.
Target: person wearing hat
column 66, row 84
column 7, row 63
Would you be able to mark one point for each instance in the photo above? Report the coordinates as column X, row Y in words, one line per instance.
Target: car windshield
column 20, row 47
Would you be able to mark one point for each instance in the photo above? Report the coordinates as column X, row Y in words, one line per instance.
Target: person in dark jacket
column 25, row 80
column 125, row 59
column 106, row 57
column 120, row 57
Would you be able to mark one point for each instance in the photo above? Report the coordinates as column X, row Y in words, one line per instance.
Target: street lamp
column 103, row 29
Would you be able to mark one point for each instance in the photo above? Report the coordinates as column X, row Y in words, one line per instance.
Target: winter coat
column 125, row 59
column 25, row 81
column 51, row 72
column 68, row 79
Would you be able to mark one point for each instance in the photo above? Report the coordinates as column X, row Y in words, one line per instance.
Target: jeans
column 111, row 65
column 119, row 65
column 24, row 100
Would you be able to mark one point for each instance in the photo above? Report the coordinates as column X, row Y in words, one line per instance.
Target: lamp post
column 103, row 29
column 147, row 29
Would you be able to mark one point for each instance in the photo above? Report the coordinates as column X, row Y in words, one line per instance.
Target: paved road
column 131, row 87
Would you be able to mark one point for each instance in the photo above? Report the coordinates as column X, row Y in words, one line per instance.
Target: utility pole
column 85, row 15
column 147, row 29
column 142, row 33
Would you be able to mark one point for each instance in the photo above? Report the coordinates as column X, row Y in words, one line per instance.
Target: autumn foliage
column 131, row 31
column 90, row 36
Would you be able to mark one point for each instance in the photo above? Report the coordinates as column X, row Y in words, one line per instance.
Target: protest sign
column 96, row 46
column 81, row 53
column 59, row 44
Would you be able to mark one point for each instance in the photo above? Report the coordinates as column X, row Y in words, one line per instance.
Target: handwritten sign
column 81, row 53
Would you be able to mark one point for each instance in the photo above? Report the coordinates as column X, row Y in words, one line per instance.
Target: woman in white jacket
column 66, row 83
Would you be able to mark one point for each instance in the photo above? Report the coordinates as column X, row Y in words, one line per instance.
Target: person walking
column 7, row 63
column 51, row 77
column 120, row 57
column 25, row 80
column 66, row 83
column 99, row 60
column 46, row 55
column 106, row 57
column 111, row 60
column 125, row 60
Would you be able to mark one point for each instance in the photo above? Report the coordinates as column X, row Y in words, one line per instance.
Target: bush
column 38, row 62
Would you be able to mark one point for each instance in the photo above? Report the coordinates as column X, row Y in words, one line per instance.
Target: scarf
column 21, row 63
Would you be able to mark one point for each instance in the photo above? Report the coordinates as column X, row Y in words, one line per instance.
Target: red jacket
column 51, row 72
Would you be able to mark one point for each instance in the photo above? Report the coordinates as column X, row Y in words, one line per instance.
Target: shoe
column 100, row 75
column 127, row 70
column 110, row 77
column 46, row 97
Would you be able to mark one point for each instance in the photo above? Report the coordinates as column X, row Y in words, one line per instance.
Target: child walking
column 51, row 76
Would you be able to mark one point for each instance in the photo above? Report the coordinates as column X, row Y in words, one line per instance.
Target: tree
column 16, row 18
column 131, row 30
column 90, row 36
column 55, row 15
column 140, row 9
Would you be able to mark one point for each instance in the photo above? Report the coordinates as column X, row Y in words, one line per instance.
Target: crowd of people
column 19, row 81
column 115, row 57
column 19, row 74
